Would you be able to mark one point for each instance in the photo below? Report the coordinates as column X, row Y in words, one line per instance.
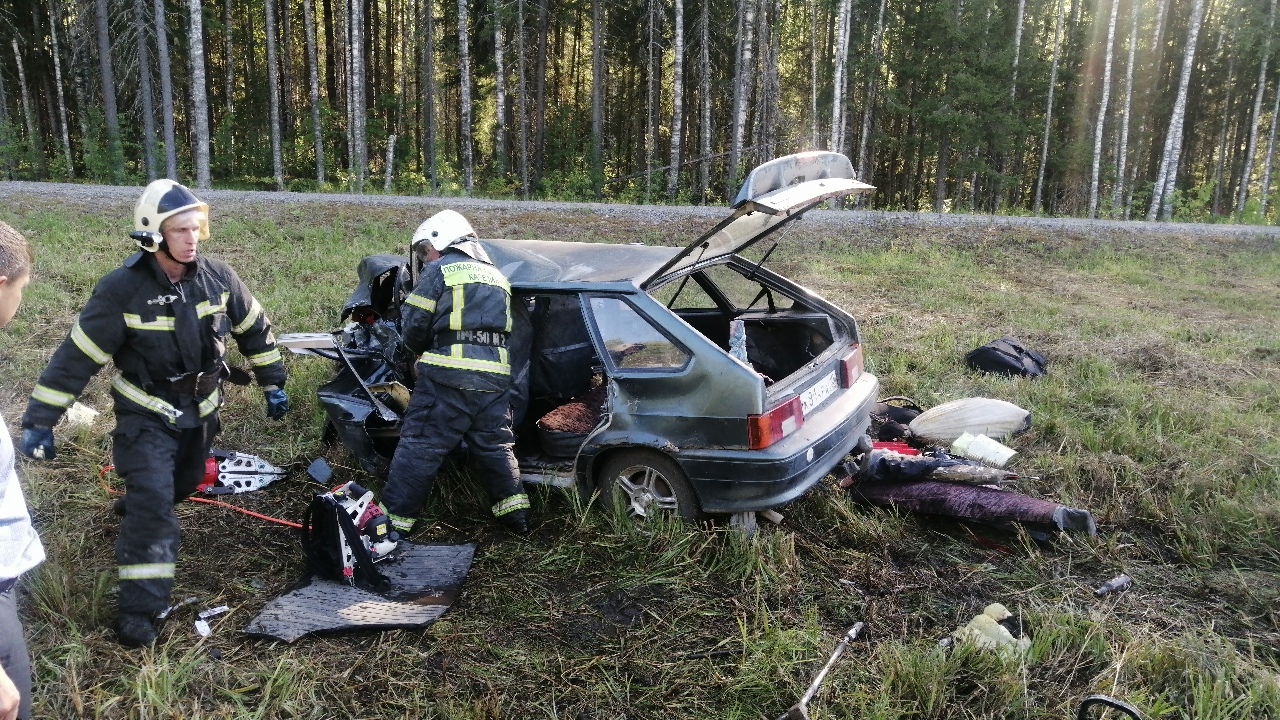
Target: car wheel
column 646, row 482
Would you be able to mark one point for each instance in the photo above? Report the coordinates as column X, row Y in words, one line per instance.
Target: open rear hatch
column 774, row 194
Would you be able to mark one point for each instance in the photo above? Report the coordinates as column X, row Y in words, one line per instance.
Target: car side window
column 631, row 341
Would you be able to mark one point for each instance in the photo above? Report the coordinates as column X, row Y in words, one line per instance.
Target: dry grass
column 1159, row 415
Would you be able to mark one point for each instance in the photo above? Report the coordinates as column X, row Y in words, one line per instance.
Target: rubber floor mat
column 425, row 580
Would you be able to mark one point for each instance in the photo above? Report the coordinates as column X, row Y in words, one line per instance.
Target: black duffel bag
column 1007, row 356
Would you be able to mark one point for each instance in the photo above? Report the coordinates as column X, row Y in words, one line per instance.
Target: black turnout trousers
column 438, row 417
column 161, row 466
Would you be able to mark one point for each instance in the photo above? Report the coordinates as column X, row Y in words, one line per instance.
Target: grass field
column 1161, row 415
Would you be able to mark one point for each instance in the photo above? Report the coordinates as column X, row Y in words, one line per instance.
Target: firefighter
column 457, row 322
column 164, row 319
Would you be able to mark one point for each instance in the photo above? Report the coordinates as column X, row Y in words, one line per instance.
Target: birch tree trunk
column 741, row 91
column 1247, row 172
column 313, row 76
column 55, row 20
column 464, row 57
column 28, row 108
column 359, row 111
column 837, row 76
column 1017, row 48
column 1122, row 150
column 1102, row 110
column 105, row 67
column 166, row 92
column 500, row 91
column 873, row 89
column 273, row 95
column 677, row 101
column 1048, row 115
column 704, row 90
column 199, row 95
column 1162, row 194
column 597, row 97
column 1270, row 155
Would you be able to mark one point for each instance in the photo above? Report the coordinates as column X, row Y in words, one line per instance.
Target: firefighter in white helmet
column 457, row 321
column 164, row 319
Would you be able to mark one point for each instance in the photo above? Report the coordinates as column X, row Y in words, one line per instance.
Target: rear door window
column 631, row 341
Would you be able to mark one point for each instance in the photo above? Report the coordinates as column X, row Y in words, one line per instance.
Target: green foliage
column 1195, row 204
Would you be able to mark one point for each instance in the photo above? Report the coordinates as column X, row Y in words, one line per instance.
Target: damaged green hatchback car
column 686, row 380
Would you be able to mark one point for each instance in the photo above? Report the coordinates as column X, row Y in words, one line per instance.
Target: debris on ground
column 977, row 503
column 983, row 449
column 1007, row 356
column 995, row 628
column 1105, row 702
column 79, row 415
column 994, row 418
column 907, row 467
column 425, row 580
column 1119, row 583
column 800, row 711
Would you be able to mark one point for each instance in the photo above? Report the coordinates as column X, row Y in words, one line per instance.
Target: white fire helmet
column 442, row 230
column 161, row 200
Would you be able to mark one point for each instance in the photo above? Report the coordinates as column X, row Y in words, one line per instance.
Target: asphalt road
column 111, row 195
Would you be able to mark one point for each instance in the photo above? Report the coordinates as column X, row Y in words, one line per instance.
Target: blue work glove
column 277, row 402
column 37, row 443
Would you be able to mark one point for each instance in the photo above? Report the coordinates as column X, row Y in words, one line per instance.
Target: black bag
column 324, row 526
column 1007, row 356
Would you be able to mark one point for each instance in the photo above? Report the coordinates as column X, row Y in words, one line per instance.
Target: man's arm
column 252, row 331
column 419, row 311
column 93, row 340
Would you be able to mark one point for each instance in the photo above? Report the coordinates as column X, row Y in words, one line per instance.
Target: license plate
column 817, row 392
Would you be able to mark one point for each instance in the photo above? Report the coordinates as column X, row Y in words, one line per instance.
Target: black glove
column 277, row 402
column 37, row 443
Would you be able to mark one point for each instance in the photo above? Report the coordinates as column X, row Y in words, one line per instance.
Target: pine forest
column 1122, row 109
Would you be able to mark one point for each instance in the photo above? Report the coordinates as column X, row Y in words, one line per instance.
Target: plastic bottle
column 738, row 339
column 1119, row 583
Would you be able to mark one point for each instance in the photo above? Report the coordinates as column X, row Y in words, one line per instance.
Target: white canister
column 983, row 449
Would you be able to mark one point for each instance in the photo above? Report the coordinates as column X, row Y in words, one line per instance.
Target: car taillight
column 851, row 366
column 767, row 429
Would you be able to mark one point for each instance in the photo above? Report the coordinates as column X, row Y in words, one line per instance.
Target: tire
column 642, row 482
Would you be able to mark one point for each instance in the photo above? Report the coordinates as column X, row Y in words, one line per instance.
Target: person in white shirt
column 20, row 548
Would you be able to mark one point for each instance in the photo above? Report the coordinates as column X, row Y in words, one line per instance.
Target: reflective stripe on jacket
column 460, row 292
column 153, row 330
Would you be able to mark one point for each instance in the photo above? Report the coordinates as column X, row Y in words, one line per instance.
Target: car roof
column 552, row 261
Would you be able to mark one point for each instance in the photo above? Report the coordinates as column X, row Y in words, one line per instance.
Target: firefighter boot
column 135, row 630
column 517, row 521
